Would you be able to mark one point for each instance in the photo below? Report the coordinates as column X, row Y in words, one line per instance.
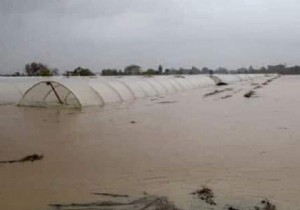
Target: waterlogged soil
column 235, row 146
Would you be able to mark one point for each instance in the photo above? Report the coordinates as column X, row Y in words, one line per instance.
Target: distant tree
column 232, row 71
column 263, row 70
column 221, row 70
column 205, row 70
column 16, row 74
column 55, row 72
column 151, row 72
column 37, row 69
column 160, row 69
column 109, row 72
column 242, row 70
column 291, row 70
column 195, row 70
column 46, row 73
column 251, row 69
column 81, row 72
column 277, row 68
column 132, row 70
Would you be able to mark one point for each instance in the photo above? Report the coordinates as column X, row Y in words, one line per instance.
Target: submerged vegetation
column 205, row 196
column 215, row 92
column 252, row 93
column 28, row 158
column 146, row 202
column 249, row 94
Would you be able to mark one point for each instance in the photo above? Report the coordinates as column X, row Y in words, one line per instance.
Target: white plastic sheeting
column 13, row 88
column 79, row 91
column 98, row 91
column 228, row 78
column 233, row 78
column 9, row 93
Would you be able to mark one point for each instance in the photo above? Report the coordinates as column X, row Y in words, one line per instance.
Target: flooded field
column 245, row 149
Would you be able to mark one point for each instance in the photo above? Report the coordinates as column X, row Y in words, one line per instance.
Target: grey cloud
column 113, row 33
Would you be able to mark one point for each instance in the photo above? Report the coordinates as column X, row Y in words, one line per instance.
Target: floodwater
column 245, row 149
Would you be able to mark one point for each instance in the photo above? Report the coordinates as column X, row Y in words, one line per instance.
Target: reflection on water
column 234, row 145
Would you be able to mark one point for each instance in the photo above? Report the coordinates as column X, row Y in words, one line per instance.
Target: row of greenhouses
column 98, row 91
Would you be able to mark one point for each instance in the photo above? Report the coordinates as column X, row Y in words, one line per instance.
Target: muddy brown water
column 244, row 149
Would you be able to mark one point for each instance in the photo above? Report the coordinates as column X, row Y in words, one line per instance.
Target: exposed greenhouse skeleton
column 98, row 91
column 49, row 93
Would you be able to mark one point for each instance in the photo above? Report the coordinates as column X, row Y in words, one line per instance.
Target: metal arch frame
column 59, row 84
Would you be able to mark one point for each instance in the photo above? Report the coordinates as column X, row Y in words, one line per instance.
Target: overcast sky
column 175, row 33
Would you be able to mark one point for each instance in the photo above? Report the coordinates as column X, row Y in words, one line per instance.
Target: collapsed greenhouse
column 99, row 91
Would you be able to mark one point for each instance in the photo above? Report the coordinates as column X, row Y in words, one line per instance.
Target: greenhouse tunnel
column 99, row 91
column 81, row 92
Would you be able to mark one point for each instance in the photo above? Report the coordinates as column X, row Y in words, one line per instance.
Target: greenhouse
column 99, row 91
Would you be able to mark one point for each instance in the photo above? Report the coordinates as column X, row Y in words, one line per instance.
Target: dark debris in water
column 270, row 80
column 147, row 202
column 283, row 128
column 257, row 87
column 28, row 158
column 179, row 76
column 112, row 195
column 206, row 195
column 226, row 96
column 222, row 84
column 265, row 205
column 215, row 92
column 254, row 84
column 249, row 94
column 167, row 102
column 265, row 83
column 232, row 208
column 151, row 202
column 154, row 99
column 88, row 205
column 252, row 92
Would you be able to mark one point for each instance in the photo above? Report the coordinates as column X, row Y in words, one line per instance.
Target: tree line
column 40, row 69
